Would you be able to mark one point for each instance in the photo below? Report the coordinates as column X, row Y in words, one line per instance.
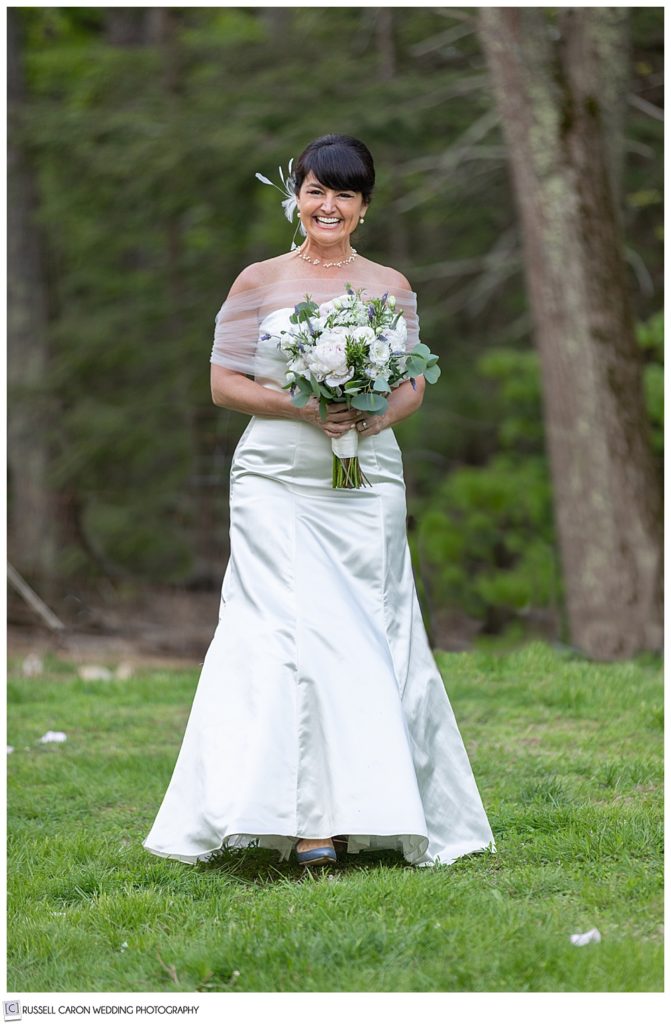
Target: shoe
column 340, row 844
column 318, row 855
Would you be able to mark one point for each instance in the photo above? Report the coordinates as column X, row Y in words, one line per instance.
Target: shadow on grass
column 257, row 865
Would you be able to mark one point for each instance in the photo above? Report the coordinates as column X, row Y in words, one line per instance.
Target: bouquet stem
column 347, row 472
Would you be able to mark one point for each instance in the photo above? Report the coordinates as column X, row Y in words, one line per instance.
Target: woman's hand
column 372, row 423
column 339, row 418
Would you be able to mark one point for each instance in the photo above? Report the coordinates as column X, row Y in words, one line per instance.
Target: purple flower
column 301, row 346
column 350, row 291
column 265, row 337
column 414, row 385
column 371, row 312
column 384, row 298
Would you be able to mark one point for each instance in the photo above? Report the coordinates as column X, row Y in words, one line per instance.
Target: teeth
column 328, row 220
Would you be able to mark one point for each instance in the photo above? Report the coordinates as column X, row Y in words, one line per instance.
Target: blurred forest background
column 135, row 135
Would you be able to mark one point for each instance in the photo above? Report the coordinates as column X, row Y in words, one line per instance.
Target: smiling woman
column 320, row 717
column 334, row 181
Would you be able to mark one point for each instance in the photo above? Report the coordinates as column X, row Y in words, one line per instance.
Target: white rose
column 379, row 352
column 397, row 336
column 365, row 334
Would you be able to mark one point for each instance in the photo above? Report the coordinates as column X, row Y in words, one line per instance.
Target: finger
column 342, row 417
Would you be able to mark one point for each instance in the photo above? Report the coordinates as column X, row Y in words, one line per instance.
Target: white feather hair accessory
column 289, row 204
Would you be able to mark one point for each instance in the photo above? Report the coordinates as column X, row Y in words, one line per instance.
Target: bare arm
column 233, row 390
column 403, row 402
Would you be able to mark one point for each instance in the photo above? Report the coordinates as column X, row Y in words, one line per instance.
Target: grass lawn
column 568, row 758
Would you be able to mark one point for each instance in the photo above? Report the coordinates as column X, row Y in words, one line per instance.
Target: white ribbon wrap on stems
column 347, row 446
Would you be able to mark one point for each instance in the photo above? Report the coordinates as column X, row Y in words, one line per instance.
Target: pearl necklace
column 336, row 263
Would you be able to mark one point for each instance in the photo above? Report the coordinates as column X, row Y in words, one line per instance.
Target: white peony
column 365, row 334
column 337, row 333
column 328, row 359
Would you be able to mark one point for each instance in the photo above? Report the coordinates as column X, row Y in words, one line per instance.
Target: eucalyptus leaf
column 415, row 367
column 369, row 402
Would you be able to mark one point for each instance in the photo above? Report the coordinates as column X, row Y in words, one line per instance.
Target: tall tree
column 32, row 522
column 557, row 79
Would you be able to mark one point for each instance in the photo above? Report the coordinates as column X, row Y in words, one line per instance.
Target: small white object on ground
column 10, row 750
column 91, row 673
column 32, row 665
column 582, row 938
column 53, row 737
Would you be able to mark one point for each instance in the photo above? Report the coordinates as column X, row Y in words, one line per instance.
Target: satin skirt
column 320, row 710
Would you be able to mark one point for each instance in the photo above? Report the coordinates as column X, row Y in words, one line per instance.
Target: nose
column 328, row 203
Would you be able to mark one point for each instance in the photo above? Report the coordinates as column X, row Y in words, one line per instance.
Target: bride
column 320, row 717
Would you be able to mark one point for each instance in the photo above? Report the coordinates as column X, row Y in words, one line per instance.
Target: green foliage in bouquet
column 362, row 391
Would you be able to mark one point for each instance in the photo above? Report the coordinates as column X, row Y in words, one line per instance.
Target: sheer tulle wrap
column 238, row 342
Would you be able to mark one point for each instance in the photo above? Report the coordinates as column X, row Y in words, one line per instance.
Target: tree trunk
column 559, row 86
column 397, row 245
column 31, row 507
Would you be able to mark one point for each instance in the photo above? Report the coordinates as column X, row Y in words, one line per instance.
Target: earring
column 361, row 220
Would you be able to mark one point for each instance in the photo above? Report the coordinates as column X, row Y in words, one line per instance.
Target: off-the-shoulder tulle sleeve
column 239, row 321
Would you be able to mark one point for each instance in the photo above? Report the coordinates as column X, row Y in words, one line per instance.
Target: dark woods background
column 134, row 137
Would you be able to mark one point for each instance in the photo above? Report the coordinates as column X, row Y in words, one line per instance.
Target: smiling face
column 329, row 215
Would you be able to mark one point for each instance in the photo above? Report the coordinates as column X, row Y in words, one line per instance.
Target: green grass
column 568, row 758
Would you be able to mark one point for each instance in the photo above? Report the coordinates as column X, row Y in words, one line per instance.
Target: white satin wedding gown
column 320, row 710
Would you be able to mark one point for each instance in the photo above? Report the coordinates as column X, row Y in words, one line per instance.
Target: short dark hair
column 337, row 161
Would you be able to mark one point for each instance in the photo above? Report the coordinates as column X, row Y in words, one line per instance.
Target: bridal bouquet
column 351, row 350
